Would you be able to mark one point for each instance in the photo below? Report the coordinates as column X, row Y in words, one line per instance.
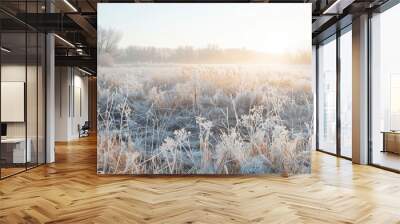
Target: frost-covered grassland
column 204, row 119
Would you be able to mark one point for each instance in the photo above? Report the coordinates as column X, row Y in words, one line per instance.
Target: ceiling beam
column 86, row 27
column 320, row 22
column 49, row 22
column 338, row 6
column 77, row 61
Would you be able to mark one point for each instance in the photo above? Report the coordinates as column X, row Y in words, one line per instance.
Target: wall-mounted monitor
column 12, row 101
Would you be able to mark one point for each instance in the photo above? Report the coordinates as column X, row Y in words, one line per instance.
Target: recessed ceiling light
column 64, row 40
column 70, row 5
column 84, row 71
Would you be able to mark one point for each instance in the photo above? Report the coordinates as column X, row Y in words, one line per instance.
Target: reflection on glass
column 346, row 94
column 14, row 153
column 31, row 101
column 327, row 97
column 386, row 89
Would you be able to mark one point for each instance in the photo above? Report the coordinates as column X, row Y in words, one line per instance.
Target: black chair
column 84, row 130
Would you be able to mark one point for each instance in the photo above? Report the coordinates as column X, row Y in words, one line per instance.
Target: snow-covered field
column 204, row 119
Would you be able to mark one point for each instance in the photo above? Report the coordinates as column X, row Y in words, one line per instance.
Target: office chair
column 84, row 130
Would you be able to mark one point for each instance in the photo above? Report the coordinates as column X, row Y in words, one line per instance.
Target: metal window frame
column 387, row 5
column 334, row 37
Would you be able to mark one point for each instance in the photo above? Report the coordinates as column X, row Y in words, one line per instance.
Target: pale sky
column 275, row 28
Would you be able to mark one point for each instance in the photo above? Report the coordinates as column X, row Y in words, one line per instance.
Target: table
column 391, row 141
column 13, row 150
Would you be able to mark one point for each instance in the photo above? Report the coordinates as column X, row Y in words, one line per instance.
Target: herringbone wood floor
column 69, row 191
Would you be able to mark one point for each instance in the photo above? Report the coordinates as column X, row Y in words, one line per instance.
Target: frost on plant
column 203, row 119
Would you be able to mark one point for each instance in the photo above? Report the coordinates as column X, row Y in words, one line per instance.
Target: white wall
column 14, row 73
column 17, row 73
column 62, row 81
column 33, row 126
column 69, row 82
column 79, row 117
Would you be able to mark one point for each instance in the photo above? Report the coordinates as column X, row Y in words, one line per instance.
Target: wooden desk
column 391, row 141
column 13, row 150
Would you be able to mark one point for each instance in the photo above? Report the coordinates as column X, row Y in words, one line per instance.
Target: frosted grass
column 204, row 119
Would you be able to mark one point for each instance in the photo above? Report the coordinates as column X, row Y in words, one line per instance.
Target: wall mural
column 204, row 89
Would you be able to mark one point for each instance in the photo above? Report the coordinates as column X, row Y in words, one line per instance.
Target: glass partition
column 327, row 96
column 32, row 84
column 31, row 98
column 41, row 107
column 14, row 153
column 22, row 77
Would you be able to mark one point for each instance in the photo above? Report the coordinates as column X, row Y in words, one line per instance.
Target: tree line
column 109, row 53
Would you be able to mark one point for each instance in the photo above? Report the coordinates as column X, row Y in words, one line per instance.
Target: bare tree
column 108, row 40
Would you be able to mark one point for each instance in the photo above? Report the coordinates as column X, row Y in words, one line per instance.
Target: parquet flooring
column 10, row 171
column 70, row 191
